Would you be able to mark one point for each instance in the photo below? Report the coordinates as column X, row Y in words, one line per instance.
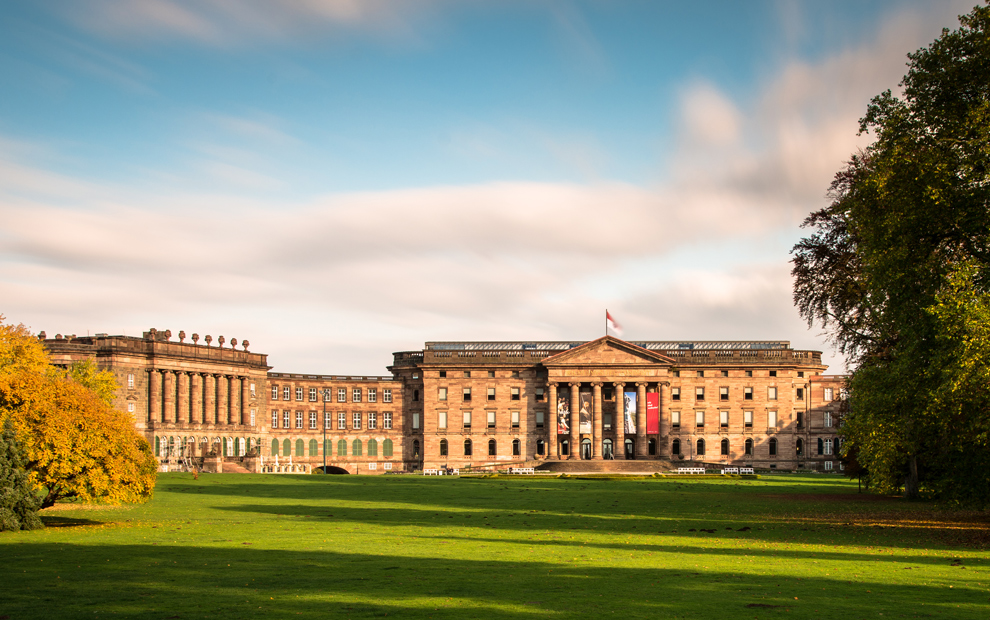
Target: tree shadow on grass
column 54, row 521
column 145, row 581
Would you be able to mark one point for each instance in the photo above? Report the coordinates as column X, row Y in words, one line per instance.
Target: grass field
column 255, row 546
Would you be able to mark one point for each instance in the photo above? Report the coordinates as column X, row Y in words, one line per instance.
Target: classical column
column 641, row 441
column 619, row 449
column 222, row 396
column 210, row 399
column 196, row 388
column 664, row 395
column 596, row 439
column 169, row 391
column 182, row 411
column 233, row 400
column 575, row 422
column 552, row 449
column 154, row 396
column 245, row 400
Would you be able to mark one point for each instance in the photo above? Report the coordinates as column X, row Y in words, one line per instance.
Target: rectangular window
column 299, row 419
column 130, row 381
column 701, row 373
column 723, row 393
column 313, row 397
column 699, row 419
column 467, row 394
column 828, row 447
column 387, row 395
column 829, row 394
column 299, row 393
column 326, row 422
column 675, row 419
column 415, row 421
column 539, row 395
column 285, row 393
column 312, row 419
column 356, row 395
column 606, row 421
column 130, row 407
column 372, row 395
column 372, row 466
column 442, row 393
column 675, row 393
column 286, row 423
column 467, row 419
column 274, row 392
column 372, row 421
column 723, row 419
column 749, row 373
column 748, row 393
column 540, row 417
column 467, row 374
column 252, row 391
column 771, row 419
column 341, row 395
column 800, row 419
column 275, row 419
column 677, row 373
column 253, row 411
column 828, row 465
column 341, row 421
column 515, row 419
column 801, row 374
column 491, row 393
column 800, row 394
column 748, row 419
column 828, row 418
column 387, row 420
column 514, row 393
column 491, row 419
column 356, row 420
column 386, row 466
column 699, row 393
column 773, row 373
column 443, row 374
column 441, row 419
column 515, row 374
column 491, row 374
column 771, row 393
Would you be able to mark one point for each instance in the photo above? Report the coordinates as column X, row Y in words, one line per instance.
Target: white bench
column 432, row 472
column 745, row 470
column 730, row 470
column 455, row 472
column 690, row 470
column 524, row 470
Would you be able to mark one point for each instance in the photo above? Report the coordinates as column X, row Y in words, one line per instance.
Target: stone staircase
column 617, row 467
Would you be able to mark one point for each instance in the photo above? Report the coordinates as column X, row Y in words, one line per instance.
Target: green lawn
column 256, row 546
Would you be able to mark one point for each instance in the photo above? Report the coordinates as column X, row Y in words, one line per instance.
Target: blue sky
column 335, row 179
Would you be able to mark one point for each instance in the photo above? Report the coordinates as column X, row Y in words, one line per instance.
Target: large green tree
column 897, row 270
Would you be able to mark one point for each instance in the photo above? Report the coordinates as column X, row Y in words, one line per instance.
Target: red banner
column 652, row 413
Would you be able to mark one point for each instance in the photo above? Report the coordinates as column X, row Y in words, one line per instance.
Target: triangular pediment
column 607, row 351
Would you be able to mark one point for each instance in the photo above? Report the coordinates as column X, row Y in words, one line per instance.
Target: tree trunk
column 911, row 482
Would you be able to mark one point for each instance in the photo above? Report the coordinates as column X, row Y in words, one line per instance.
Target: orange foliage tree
column 76, row 444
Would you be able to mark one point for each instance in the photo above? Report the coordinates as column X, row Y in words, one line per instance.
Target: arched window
column 749, row 447
column 541, row 447
column 313, row 447
column 387, row 447
column 675, row 447
column 415, row 396
column 356, row 447
column 300, row 448
column 158, row 445
column 467, row 447
column 565, row 448
column 274, row 447
column 416, row 449
column 586, row 449
column 225, row 441
column 607, row 449
column 443, row 447
column 205, row 448
column 515, row 447
column 773, row 447
column 725, row 447
column 286, row 447
column 171, row 446
column 799, row 446
column 652, row 447
column 327, row 447
column 700, row 450
column 372, row 447
column 492, row 447
column 342, row 447
column 629, row 449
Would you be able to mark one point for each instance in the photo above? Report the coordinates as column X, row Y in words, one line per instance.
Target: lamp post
column 326, row 395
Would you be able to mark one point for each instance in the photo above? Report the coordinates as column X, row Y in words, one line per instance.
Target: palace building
column 561, row 405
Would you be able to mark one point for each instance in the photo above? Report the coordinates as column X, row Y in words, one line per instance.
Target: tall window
column 341, row 395
column 130, row 381
column 771, row 419
column 748, row 419
column 771, row 393
column 443, row 447
column 387, row 447
column 285, row 420
column 313, row 395
column 372, row 398
column 252, row 416
column 539, row 394
column 799, row 447
column 749, row 447
column 387, row 395
column 699, row 393
column 387, row 420
column 675, row 419
column 356, row 420
column 467, row 447
column 356, row 395
column 467, row 393
column 415, row 421
column 675, row 447
column 773, row 447
column 491, row 419
column 312, row 447
column 285, row 393
column 372, row 447
column 829, row 394
column 441, row 419
column 372, row 421
column 467, row 419
column 724, row 448
column 514, row 393
column 748, row 393
column 700, row 451
column 800, row 394
column 515, row 419
column 723, row 393
column 699, row 419
column 491, row 393
column 275, row 419
column 299, row 393
column 299, row 419
column 442, row 393
column 274, row 392
column 341, row 421
column 675, row 393
column 828, row 418
column 492, row 447
column 723, row 419
column 312, row 419
column 342, row 447
column 326, row 422
column 300, row 448
column 540, row 419
column 515, row 447
column 356, row 447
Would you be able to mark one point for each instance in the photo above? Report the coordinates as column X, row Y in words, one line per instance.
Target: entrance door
column 607, row 450
column 629, row 450
column 586, row 449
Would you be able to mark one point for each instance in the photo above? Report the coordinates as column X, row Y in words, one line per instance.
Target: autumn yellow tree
column 77, row 446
